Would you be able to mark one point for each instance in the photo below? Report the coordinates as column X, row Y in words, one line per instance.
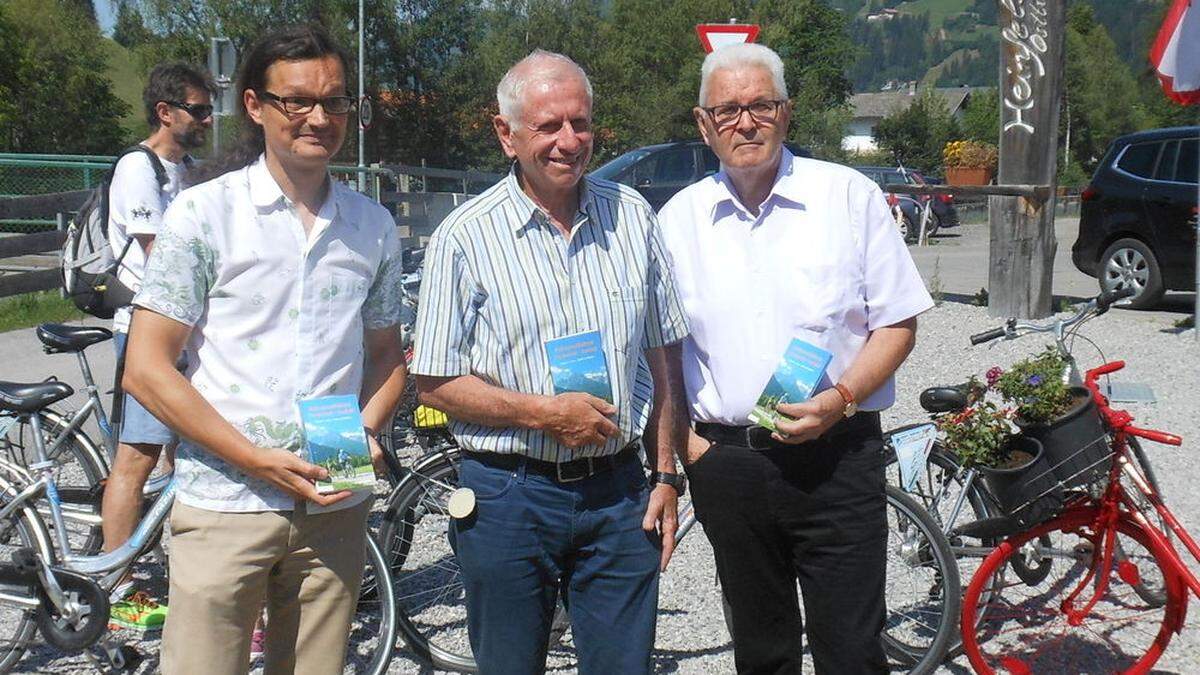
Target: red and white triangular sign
column 716, row 35
column 1174, row 55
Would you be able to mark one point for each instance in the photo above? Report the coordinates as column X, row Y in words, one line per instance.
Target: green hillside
column 126, row 76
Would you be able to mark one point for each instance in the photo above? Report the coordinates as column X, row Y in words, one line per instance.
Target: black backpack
column 89, row 267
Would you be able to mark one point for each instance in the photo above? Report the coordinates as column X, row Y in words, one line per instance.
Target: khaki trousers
column 225, row 567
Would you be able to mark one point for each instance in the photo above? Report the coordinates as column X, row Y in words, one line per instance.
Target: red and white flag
column 1176, row 52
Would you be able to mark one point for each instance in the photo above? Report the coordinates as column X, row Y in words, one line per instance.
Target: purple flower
column 1034, row 380
column 993, row 375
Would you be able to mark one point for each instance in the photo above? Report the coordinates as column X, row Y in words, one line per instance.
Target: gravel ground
column 691, row 632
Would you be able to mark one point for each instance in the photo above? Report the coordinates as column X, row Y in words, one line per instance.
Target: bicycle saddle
column 24, row 397
column 59, row 337
column 944, row 399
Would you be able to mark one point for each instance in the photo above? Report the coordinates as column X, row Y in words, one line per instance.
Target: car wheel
column 934, row 225
column 908, row 231
column 1129, row 263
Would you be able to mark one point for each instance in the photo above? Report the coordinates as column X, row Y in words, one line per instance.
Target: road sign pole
column 362, row 177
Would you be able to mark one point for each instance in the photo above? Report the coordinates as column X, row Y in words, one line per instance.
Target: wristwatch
column 848, row 397
column 675, row 480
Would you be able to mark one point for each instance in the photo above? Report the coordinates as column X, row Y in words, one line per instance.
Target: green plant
column 935, row 283
column 1186, row 322
column 1035, row 387
column 979, row 434
column 981, row 298
column 970, row 155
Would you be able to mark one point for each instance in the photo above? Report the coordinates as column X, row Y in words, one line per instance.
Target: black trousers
column 814, row 514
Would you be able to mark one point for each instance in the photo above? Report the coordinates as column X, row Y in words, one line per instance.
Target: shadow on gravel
column 669, row 660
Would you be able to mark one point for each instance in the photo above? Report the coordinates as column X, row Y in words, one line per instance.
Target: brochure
column 334, row 438
column 912, row 448
column 795, row 379
column 577, row 363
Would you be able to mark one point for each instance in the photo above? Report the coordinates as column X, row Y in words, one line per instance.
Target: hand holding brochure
column 334, row 438
column 795, row 380
column 577, row 363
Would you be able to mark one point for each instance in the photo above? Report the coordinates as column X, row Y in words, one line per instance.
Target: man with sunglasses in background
column 178, row 100
column 284, row 286
column 770, row 249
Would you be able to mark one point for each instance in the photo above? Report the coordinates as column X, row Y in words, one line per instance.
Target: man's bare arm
column 667, row 430
column 155, row 342
column 383, row 378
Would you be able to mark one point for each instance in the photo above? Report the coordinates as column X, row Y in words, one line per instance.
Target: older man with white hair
column 545, row 270
column 770, row 249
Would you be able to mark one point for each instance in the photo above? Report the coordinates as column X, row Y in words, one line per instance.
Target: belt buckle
column 748, row 435
column 558, row 470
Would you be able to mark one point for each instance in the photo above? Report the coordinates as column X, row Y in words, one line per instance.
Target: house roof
column 880, row 104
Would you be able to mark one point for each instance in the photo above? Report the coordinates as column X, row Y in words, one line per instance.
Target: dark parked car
column 659, row 171
column 944, row 214
column 1137, row 220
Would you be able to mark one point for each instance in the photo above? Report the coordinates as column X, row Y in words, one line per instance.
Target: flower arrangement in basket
column 969, row 162
column 1063, row 418
column 984, row 436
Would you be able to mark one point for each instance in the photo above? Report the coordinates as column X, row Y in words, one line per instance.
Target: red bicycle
column 1091, row 612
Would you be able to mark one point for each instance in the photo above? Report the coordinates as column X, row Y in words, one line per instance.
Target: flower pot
column 960, row 175
column 1076, row 444
column 1029, row 493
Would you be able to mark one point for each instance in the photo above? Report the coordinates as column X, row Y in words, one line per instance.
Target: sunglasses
column 198, row 111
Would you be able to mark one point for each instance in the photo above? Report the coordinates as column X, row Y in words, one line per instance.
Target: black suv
column 1137, row 220
column 659, row 171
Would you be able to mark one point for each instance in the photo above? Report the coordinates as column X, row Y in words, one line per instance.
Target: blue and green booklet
column 577, row 363
column 795, row 380
column 335, row 439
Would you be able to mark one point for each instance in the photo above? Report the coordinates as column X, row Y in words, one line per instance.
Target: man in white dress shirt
column 771, row 248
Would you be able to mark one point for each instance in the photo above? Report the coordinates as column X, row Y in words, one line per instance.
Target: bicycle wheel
column 21, row 530
column 922, row 587
column 78, row 472
column 430, row 603
column 1149, row 588
column 1024, row 628
column 373, row 628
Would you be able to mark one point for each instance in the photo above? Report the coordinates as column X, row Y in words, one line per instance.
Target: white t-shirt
column 822, row 261
column 135, row 206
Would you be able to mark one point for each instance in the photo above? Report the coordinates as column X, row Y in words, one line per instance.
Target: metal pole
column 217, row 129
column 361, row 173
column 1196, row 306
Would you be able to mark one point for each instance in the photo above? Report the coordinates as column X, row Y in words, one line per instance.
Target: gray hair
column 738, row 56
column 539, row 66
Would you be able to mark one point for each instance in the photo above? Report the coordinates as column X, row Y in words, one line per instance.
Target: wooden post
column 1032, row 36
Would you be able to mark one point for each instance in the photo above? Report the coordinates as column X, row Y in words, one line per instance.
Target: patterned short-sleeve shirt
column 500, row 280
column 276, row 316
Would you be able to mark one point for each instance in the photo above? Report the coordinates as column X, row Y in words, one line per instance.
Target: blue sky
column 106, row 14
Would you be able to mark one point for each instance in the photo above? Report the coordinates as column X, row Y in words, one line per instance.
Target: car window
column 1188, row 166
column 711, row 163
column 1139, row 159
column 893, row 178
column 1166, row 162
column 676, row 166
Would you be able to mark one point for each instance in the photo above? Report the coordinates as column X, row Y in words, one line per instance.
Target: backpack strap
column 160, row 173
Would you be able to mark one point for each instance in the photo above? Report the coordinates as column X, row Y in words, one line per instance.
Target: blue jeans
column 531, row 538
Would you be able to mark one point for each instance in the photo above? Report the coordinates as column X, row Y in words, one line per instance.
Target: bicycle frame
column 1116, row 496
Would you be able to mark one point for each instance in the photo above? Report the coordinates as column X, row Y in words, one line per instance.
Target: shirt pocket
column 821, row 296
column 341, row 298
column 627, row 317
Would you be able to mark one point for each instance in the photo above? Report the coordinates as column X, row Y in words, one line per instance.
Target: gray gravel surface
column 691, row 632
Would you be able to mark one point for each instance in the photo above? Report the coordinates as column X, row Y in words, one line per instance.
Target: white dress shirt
column 822, row 261
column 276, row 316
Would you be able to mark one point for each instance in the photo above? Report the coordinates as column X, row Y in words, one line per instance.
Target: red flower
column 993, row 375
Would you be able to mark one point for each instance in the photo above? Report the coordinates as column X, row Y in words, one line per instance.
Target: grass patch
column 128, row 82
column 30, row 309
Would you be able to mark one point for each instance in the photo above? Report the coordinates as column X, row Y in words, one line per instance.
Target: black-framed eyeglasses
column 198, row 111
column 302, row 105
column 728, row 114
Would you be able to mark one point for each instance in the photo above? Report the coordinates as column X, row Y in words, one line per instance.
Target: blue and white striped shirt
column 500, row 280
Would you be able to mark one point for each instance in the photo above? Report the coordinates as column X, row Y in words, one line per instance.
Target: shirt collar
column 530, row 212
column 266, row 194
column 786, row 186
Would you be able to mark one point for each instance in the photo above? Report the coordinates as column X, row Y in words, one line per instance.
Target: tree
column 59, row 99
column 916, row 135
column 130, row 29
column 981, row 117
column 1102, row 97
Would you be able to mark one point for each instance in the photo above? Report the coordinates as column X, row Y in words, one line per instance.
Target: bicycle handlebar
column 988, row 335
column 1156, row 436
column 1107, row 298
column 1104, row 369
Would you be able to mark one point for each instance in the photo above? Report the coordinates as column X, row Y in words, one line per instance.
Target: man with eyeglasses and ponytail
column 284, row 286
column 775, row 248
column 178, row 100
